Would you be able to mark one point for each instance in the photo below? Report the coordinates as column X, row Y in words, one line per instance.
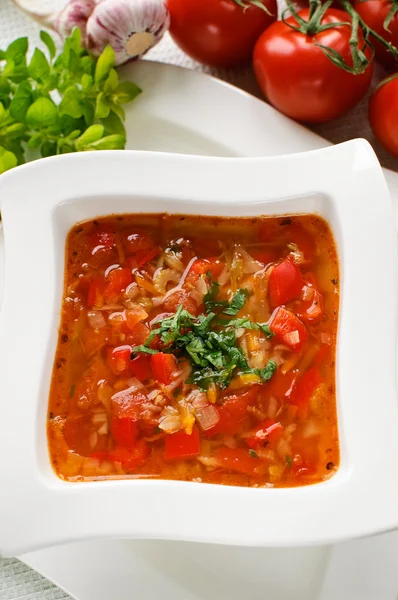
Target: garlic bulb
column 75, row 14
column 131, row 27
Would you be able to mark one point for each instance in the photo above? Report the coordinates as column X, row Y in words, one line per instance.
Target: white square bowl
column 41, row 201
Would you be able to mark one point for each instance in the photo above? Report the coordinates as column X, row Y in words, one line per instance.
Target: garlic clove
column 75, row 14
column 131, row 27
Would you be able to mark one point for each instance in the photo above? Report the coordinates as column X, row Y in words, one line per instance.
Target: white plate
column 182, row 111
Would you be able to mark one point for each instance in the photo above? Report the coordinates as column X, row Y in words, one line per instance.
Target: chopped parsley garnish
column 72, row 391
column 209, row 342
column 253, row 453
column 288, row 461
column 228, row 308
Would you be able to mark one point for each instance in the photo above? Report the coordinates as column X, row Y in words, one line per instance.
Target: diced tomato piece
column 130, row 458
column 124, row 431
column 306, row 386
column 141, row 367
column 138, row 334
column 144, row 256
column 119, row 359
column 182, row 445
column 233, row 412
column 139, row 242
column 285, row 283
column 201, row 267
column 117, row 281
column 100, row 238
column 268, row 431
column 282, row 385
column 135, row 315
column 102, row 248
column 181, row 298
column 265, row 256
column 163, row 367
column 311, row 310
column 240, row 461
column 77, row 433
column 128, row 404
column 95, row 295
column 288, row 328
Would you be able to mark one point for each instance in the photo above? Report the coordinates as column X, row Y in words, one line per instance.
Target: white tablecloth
column 17, row 581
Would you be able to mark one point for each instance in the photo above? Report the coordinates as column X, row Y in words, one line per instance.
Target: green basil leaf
column 110, row 142
column 104, row 65
column 113, row 124
column 91, row 135
column 49, row 42
column 71, row 103
column 23, row 98
column 39, row 69
column 8, row 160
column 111, row 82
column 125, row 92
column 86, row 82
column 17, row 50
column 102, row 109
column 42, row 113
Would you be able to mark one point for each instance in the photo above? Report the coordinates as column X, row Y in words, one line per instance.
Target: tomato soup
column 199, row 349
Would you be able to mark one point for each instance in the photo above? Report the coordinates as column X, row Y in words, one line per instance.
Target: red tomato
column 265, row 256
column 268, row 431
column 117, row 281
column 233, row 412
column 285, row 283
column 138, row 334
column 139, row 242
column 134, row 316
column 181, row 298
column 119, row 359
column 374, row 13
column 296, row 76
column 131, row 458
column 219, row 32
column 282, row 385
column 306, row 386
column 240, row 461
column 181, row 445
column 201, row 267
column 311, row 309
column 141, row 367
column 144, row 256
column 288, row 328
column 128, row 404
column 124, row 431
column 163, row 367
column 102, row 247
column 383, row 113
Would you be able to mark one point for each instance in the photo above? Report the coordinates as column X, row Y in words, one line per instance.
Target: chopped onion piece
column 134, row 383
column 172, row 260
column 209, row 462
column 132, row 291
column 272, row 407
column 292, row 338
column 170, row 420
column 207, row 417
column 182, row 280
column 311, row 429
column 250, row 265
column 96, row 319
column 197, row 398
column 93, row 439
column 325, row 338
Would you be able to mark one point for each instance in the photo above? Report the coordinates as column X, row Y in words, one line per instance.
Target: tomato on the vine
column 220, row 33
column 375, row 14
column 383, row 113
column 296, row 75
